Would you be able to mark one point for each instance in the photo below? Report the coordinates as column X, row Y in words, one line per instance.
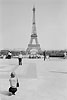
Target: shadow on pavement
column 7, row 93
column 59, row 72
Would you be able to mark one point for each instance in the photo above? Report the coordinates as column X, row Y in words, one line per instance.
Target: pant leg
column 20, row 61
column 13, row 90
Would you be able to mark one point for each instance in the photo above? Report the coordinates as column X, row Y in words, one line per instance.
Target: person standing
column 44, row 53
column 20, row 59
column 13, row 83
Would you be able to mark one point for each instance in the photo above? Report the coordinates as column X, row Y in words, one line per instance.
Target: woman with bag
column 13, row 83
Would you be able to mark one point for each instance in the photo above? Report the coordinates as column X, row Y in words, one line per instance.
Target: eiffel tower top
column 34, row 24
column 33, row 14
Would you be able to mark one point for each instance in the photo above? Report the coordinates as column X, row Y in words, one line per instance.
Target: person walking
column 13, row 83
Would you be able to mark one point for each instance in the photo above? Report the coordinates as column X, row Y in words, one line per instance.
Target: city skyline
column 16, row 23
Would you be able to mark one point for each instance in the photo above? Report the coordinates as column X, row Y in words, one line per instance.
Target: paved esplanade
column 39, row 80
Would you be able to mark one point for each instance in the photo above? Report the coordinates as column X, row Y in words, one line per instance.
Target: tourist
column 13, row 83
column 20, row 59
column 9, row 55
column 44, row 55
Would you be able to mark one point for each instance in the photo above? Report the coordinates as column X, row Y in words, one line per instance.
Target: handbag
column 17, row 83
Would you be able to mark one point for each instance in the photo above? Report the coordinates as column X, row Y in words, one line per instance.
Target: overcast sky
column 16, row 23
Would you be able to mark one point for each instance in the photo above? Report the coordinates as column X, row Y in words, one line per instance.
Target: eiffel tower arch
column 33, row 47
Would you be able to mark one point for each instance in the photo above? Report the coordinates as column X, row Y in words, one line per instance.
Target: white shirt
column 20, row 55
column 9, row 54
column 13, row 82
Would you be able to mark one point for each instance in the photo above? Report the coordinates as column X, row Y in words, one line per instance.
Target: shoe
column 13, row 93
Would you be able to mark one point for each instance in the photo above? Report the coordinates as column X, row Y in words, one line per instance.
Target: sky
column 16, row 23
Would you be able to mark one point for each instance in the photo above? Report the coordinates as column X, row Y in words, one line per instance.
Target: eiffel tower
column 31, row 46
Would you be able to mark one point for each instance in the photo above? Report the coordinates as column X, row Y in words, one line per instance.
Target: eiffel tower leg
column 36, row 41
